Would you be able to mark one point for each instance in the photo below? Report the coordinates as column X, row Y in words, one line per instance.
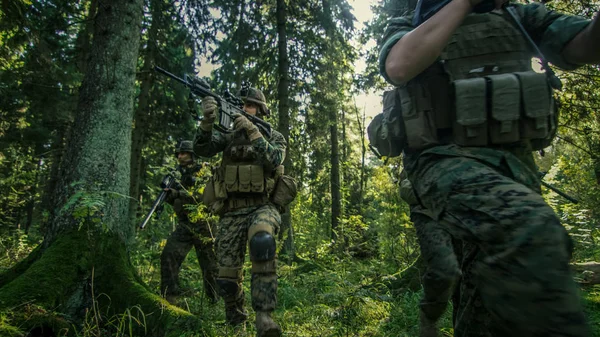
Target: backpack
column 386, row 132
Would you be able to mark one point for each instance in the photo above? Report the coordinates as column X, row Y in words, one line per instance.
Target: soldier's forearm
column 418, row 49
column 584, row 48
column 206, row 144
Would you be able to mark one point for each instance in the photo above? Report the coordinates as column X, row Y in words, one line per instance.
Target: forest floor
column 330, row 297
column 325, row 296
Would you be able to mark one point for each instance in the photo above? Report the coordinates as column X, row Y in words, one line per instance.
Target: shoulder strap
column 552, row 78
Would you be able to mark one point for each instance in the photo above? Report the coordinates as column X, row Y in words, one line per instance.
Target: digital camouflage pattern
column 235, row 224
column 272, row 151
column 512, row 250
column 441, row 263
column 188, row 234
column 232, row 239
column 521, row 270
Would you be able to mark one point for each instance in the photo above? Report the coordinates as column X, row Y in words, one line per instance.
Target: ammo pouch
column 285, row 189
column 244, row 179
column 503, row 109
column 214, row 193
column 386, row 131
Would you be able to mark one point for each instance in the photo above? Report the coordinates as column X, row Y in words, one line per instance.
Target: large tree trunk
column 83, row 265
column 82, row 48
column 284, row 120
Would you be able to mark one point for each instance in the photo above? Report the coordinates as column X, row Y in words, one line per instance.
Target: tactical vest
column 482, row 92
column 242, row 179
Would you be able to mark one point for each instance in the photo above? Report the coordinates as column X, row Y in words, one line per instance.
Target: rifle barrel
column 164, row 72
column 157, row 202
column 561, row 193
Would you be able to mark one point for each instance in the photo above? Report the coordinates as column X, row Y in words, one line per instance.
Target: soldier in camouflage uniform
column 187, row 234
column 242, row 185
column 437, row 250
column 473, row 111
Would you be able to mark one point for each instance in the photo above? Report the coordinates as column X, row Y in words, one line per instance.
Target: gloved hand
column 172, row 194
column 241, row 122
column 209, row 110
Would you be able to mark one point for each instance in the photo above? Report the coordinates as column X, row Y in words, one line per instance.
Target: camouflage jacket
column 187, row 192
column 271, row 151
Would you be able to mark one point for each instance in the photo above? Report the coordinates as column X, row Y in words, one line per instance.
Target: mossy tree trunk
column 82, row 268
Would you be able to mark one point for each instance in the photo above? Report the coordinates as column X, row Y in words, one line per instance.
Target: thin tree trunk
column 363, row 150
column 31, row 202
column 283, row 126
column 336, row 200
column 240, row 37
column 140, row 122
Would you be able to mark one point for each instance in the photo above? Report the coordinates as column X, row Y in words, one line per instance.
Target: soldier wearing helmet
column 254, row 97
column 187, row 234
column 242, row 191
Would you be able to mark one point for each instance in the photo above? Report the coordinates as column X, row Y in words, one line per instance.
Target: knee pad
column 227, row 287
column 262, row 247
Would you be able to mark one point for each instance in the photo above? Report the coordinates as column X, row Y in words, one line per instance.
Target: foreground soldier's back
column 462, row 78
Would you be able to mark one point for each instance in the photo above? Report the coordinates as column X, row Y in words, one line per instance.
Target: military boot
column 265, row 326
column 235, row 314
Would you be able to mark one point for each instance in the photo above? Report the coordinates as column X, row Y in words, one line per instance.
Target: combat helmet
column 249, row 94
column 185, row 146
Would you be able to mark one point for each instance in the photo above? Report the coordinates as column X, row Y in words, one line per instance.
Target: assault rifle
column 556, row 190
column 228, row 105
column 427, row 8
column 168, row 181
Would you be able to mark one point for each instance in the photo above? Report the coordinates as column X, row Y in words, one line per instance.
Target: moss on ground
column 85, row 280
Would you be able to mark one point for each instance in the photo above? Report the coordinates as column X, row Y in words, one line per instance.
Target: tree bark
column 283, row 126
column 240, row 36
column 363, row 151
column 83, row 264
column 336, row 199
column 140, row 122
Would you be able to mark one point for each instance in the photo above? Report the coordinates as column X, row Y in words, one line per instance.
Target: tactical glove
column 172, row 194
column 209, row 109
column 241, row 122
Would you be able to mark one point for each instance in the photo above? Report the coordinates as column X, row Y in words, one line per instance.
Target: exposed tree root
column 84, row 280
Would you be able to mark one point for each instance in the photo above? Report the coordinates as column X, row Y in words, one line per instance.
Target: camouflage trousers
column 234, row 231
column 442, row 267
column 515, row 256
column 179, row 244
